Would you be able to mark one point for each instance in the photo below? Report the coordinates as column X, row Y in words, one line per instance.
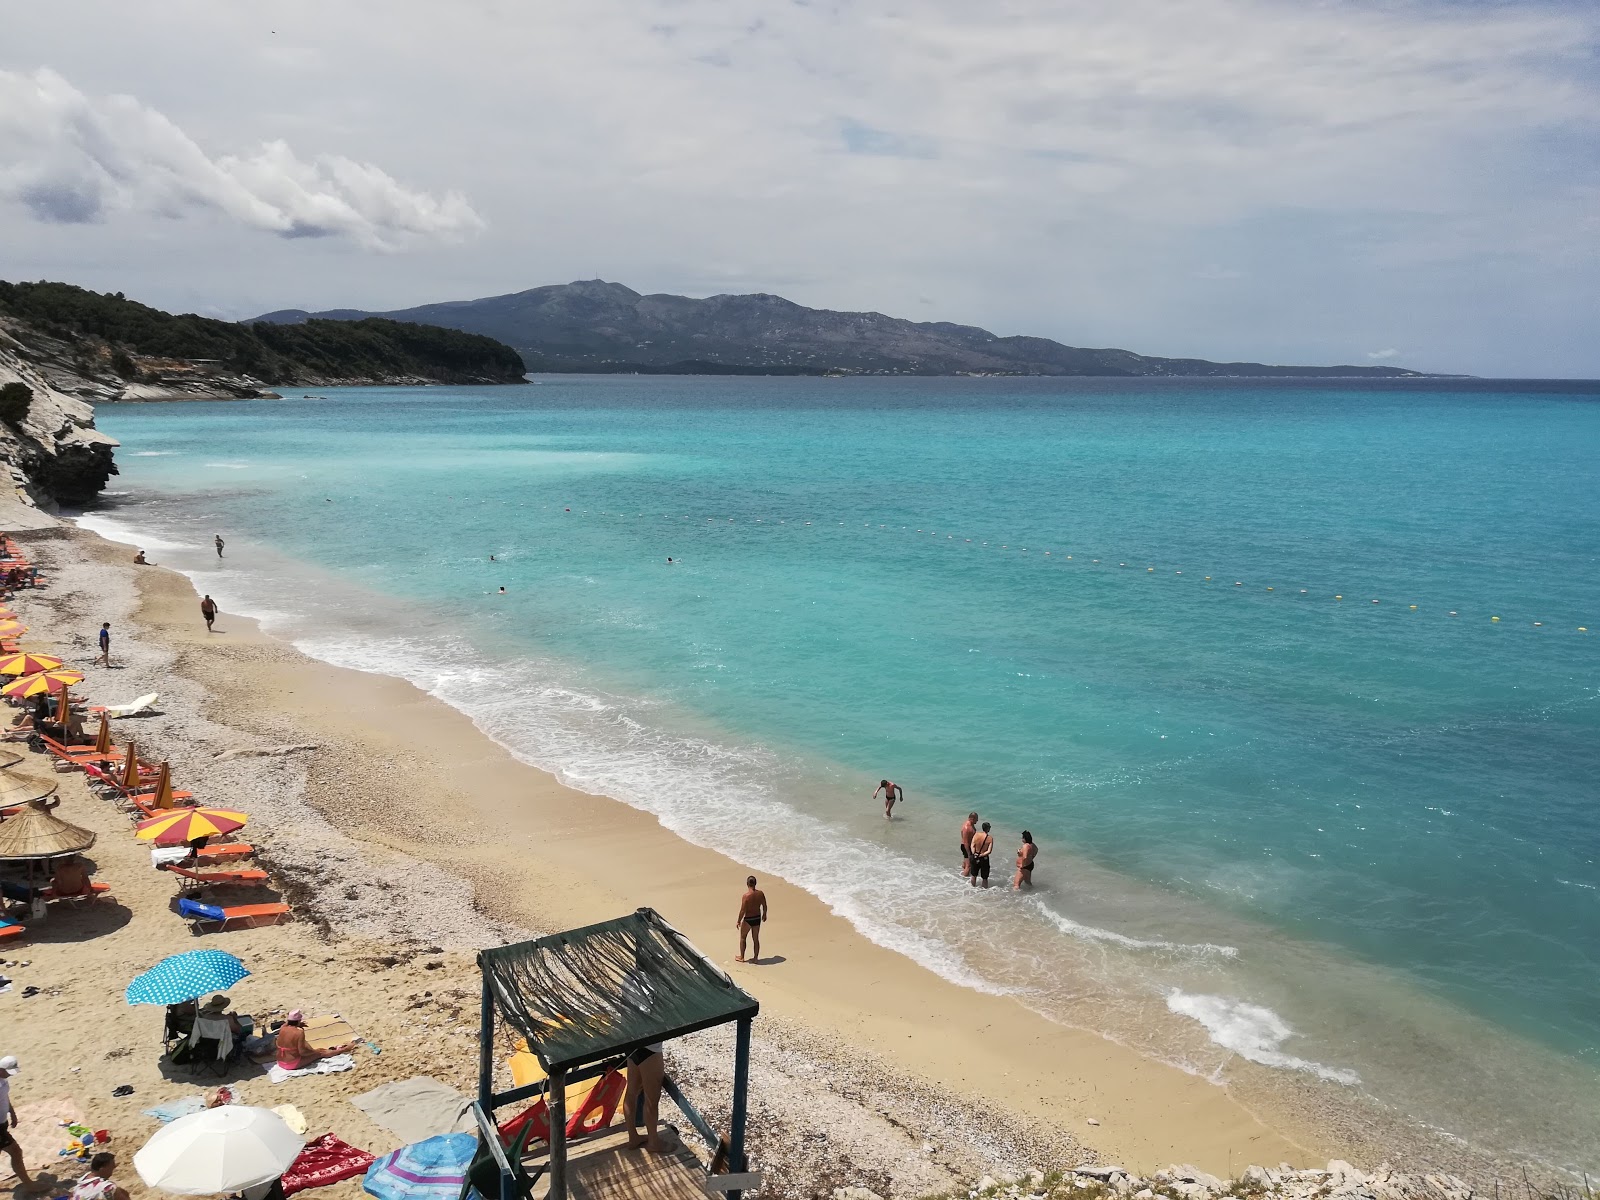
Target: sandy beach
column 406, row 839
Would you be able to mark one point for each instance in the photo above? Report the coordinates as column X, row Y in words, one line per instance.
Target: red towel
column 325, row 1160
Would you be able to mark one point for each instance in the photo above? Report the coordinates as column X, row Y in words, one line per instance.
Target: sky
column 1408, row 182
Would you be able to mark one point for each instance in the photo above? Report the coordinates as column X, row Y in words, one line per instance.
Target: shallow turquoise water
column 1236, row 780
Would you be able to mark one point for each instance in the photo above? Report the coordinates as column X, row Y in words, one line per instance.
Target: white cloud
column 69, row 158
column 1390, row 353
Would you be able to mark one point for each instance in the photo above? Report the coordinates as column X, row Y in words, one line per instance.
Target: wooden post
column 486, row 1049
column 558, row 1135
column 741, row 1101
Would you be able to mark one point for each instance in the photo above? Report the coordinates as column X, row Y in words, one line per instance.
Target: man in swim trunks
column 891, row 793
column 1026, row 854
column 967, row 830
column 752, row 911
column 982, row 847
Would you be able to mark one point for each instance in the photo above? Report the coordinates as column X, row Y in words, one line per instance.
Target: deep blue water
column 1108, row 611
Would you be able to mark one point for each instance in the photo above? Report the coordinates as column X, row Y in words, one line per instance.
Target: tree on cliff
column 15, row 399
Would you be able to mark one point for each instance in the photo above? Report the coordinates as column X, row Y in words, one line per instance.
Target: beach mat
column 324, row 1033
column 418, row 1108
column 325, row 1160
column 41, row 1135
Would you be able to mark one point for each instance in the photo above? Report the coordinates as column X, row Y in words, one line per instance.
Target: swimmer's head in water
column 750, row 881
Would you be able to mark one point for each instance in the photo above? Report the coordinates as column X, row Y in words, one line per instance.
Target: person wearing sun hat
column 294, row 1052
column 8, row 1120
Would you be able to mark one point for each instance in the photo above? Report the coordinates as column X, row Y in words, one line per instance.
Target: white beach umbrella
column 222, row 1149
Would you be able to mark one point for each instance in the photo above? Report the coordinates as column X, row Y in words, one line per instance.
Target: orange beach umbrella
column 28, row 664
column 41, row 681
column 185, row 824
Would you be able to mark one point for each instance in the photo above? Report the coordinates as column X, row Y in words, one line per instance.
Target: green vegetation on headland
column 313, row 352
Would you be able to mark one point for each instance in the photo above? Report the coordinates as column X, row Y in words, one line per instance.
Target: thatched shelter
column 35, row 833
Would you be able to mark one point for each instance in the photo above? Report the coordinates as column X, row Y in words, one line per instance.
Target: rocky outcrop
column 55, row 455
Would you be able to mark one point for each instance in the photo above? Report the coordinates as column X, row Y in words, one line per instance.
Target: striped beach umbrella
column 41, row 681
column 434, row 1169
column 186, row 976
column 185, row 824
column 12, row 628
column 28, row 664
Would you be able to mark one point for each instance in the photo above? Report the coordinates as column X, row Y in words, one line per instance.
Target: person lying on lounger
column 295, row 1053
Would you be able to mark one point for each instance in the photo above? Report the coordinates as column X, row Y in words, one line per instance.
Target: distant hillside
column 594, row 326
column 145, row 345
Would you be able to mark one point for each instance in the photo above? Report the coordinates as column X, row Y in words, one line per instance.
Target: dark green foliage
column 288, row 354
column 14, row 401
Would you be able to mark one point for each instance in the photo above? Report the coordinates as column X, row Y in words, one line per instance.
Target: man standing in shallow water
column 752, row 911
column 219, row 545
column 967, row 830
column 891, row 793
column 982, row 847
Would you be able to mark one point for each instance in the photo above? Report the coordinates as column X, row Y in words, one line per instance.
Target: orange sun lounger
column 210, row 918
column 10, row 928
column 96, row 890
column 225, row 853
column 204, row 879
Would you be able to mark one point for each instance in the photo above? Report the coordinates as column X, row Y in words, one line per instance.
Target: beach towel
column 292, row 1117
column 418, row 1108
column 39, row 1132
column 325, row 1160
column 182, row 1107
column 324, row 1033
column 326, row 1066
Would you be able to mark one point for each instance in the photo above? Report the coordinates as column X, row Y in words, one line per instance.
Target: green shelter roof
column 590, row 993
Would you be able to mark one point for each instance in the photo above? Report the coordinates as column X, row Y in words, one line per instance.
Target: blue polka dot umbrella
column 186, row 976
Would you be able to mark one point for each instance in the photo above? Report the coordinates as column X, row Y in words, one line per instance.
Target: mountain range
column 595, row 326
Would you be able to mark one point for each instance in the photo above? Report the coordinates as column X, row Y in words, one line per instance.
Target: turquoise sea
column 1307, row 812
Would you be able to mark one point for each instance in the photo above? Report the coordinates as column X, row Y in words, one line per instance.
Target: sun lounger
column 10, row 928
column 133, row 707
column 226, row 852
column 96, row 890
column 211, row 918
column 194, row 880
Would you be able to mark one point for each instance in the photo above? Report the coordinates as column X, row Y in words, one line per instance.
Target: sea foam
column 1251, row 1031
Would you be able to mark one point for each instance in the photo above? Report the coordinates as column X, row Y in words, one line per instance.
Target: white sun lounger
column 133, row 707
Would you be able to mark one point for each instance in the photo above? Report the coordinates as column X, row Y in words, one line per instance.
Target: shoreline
column 1036, row 1083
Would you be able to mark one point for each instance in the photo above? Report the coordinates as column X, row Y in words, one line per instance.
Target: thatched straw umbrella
column 34, row 833
column 18, row 787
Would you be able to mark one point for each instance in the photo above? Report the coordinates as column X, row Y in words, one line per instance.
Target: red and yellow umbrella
column 28, row 664
column 41, row 681
column 12, row 628
column 185, row 824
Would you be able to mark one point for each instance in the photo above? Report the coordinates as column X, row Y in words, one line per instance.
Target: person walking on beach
column 105, row 643
column 752, row 911
column 8, row 1121
column 891, row 793
column 219, row 545
column 1027, row 853
column 208, row 610
column 982, row 847
column 969, row 828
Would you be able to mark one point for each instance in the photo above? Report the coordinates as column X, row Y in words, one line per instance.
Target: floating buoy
column 1272, row 589
column 1494, row 618
column 1374, row 601
column 1302, row 591
column 1208, row 579
column 1149, row 569
column 1536, row 624
column 1177, row 572
column 1122, row 564
column 1452, row 612
column 1583, row 629
column 1237, row 583
column 1338, row 597
column 1413, row 608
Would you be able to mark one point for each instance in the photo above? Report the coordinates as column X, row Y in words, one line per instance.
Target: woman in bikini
column 982, row 847
column 1027, row 855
